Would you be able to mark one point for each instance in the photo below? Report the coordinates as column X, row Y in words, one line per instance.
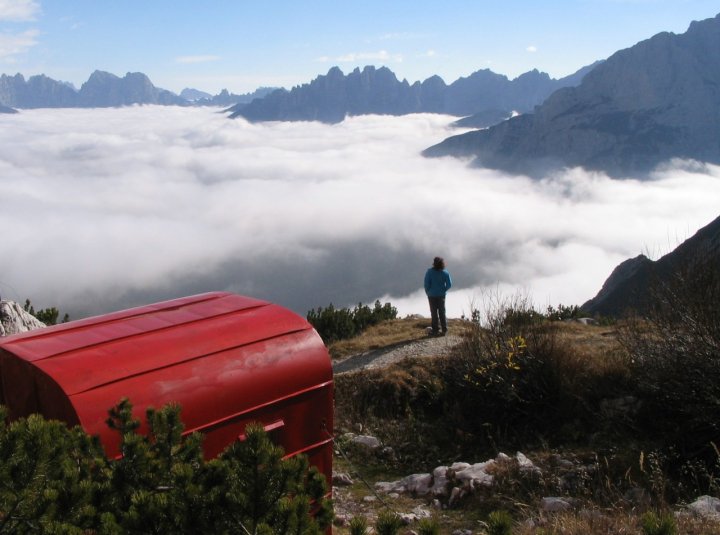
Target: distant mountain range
column 332, row 97
column 102, row 90
column 224, row 98
column 657, row 100
column 632, row 284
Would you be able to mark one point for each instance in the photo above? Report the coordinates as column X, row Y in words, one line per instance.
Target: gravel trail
column 432, row 346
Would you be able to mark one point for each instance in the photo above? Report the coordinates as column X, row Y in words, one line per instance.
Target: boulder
column 706, row 507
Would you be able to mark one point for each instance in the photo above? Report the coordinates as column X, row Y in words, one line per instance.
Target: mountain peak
column 376, row 90
column 644, row 105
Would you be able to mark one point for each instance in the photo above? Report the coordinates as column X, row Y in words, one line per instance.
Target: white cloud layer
column 103, row 209
column 13, row 44
column 353, row 57
column 18, row 10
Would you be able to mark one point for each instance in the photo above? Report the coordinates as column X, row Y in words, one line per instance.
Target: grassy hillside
column 581, row 400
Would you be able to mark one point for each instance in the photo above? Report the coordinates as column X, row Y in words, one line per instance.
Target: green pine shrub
column 334, row 324
column 58, row 480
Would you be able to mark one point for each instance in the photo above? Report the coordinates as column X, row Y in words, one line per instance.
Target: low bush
column 675, row 352
column 514, row 380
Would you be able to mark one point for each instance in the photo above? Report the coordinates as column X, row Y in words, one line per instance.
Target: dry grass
column 406, row 392
column 602, row 522
column 596, row 347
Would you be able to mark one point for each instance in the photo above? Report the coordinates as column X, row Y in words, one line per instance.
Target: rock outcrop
column 14, row 320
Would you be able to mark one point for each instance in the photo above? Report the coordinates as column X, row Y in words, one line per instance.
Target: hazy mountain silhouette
column 632, row 284
column 226, row 99
column 192, row 95
column 657, row 100
column 36, row 92
column 104, row 89
column 330, row 98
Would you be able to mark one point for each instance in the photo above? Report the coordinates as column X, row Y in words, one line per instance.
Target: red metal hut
column 227, row 360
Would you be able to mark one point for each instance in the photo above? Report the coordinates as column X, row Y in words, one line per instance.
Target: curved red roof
column 226, row 359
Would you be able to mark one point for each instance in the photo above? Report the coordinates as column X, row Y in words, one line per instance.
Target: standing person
column 437, row 283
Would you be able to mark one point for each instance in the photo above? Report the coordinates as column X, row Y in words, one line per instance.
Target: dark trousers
column 437, row 313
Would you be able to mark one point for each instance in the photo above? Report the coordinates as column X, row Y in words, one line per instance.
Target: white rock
column 475, row 475
column 553, row 504
column 455, row 494
column 418, row 483
column 456, row 467
column 706, row 507
column 389, row 486
column 366, row 440
column 421, row 512
column 341, row 479
column 440, row 481
column 14, row 320
column 526, row 464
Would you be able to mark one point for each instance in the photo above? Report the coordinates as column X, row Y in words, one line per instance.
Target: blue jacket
column 437, row 282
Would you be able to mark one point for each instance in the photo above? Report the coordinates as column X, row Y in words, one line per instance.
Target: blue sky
column 241, row 45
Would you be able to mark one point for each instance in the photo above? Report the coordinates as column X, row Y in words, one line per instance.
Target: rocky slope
column 655, row 101
column 632, row 283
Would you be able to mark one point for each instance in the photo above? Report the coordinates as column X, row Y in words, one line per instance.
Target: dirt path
column 379, row 358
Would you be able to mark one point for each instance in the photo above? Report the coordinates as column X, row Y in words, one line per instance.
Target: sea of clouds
column 105, row 209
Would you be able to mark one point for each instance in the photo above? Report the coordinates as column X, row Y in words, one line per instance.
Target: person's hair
column 438, row 263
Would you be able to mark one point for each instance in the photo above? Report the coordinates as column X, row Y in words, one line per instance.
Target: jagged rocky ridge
column 647, row 104
column 102, row 90
column 631, row 285
column 332, row 97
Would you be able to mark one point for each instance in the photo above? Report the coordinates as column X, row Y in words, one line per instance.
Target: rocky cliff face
column 37, row 92
column 104, row 89
column 13, row 319
column 330, row 98
column 657, row 100
column 631, row 284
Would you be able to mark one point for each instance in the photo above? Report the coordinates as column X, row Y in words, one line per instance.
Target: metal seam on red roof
column 180, row 362
column 157, row 330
